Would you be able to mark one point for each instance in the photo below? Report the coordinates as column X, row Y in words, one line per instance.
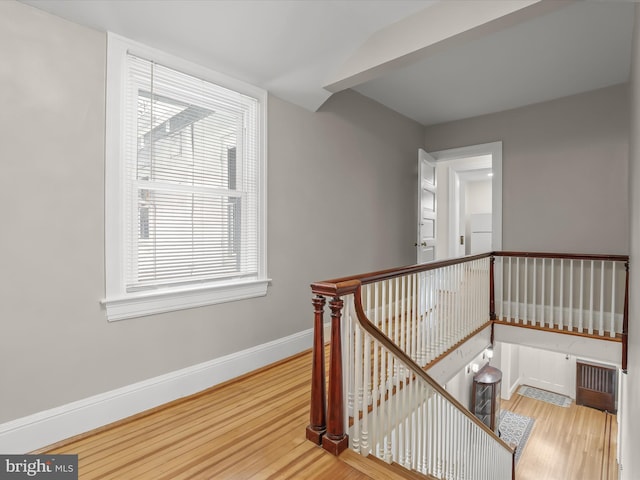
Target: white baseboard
column 44, row 428
column 514, row 388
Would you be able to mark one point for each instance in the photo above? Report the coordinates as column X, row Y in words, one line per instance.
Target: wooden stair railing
column 326, row 426
column 489, row 469
column 584, row 294
column 453, row 284
column 446, row 312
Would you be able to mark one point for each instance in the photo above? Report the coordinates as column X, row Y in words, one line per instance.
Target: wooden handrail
column 564, row 256
column 386, row 342
column 345, row 285
column 348, row 285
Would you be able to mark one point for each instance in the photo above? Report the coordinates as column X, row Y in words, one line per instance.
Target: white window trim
column 119, row 303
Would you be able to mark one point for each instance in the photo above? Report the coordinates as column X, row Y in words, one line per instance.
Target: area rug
column 515, row 430
column 543, row 395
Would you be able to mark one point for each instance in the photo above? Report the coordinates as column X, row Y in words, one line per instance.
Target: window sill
column 149, row 303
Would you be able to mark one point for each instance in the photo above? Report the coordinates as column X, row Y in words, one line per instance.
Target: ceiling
column 405, row 54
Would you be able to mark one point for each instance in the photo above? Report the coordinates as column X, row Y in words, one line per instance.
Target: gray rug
column 515, row 430
column 543, row 395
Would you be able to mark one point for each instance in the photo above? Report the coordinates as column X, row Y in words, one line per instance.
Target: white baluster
column 412, row 426
column 460, row 446
column 612, row 328
column 571, row 295
column 430, row 326
column 487, row 283
column 601, row 329
column 590, row 330
column 388, row 451
column 465, row 448
column 581, row 308
column 526, row 291
column 551, row 292
column 480, row 314
column 357, row 384
column 455, row 296
column 419, row 319
column 441, row 435
column 460, row 305
column 408, row 319
column 433, row 443
column 467, row 320
column 424, row 429
column 415, row 330
column 484, row 290
column 446, row 320
column 438, row 311
column 420, row 428
column 509, row 292
column 455, row 306
column 543, row 313
column 364, row 436
column 561, row 316
column 348, row 347
column 517, row 315
column 396, row 317
column 533, row 293
column 427, row 335
column 498, row 282
column 395, row 418
column 375, row 392
column 403, row 318
column 447, row 440
column 430, row 316
column 428, row 329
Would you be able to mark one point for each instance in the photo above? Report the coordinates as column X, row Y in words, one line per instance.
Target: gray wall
column 565, row 167
column 341, row 200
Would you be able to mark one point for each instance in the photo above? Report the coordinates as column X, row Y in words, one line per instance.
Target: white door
column 550, row 371
column 426, row 244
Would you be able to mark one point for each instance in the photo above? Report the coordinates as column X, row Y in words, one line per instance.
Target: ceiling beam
column 436, row 28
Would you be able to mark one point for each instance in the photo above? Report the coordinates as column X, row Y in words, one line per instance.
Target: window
column 185, row 184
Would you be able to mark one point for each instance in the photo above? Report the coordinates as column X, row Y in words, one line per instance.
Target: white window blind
column 191, row 169
column 185, row 184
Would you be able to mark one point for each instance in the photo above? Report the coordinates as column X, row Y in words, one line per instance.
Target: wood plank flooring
column 575, row 443
column 249, row 428
column 254, row 428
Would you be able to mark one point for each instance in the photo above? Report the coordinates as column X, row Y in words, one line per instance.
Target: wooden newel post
column 492, row 290
column 335, row 440
column 625, row 320
column 317, row 417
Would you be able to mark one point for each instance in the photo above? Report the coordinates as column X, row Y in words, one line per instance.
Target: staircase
column 388, row 326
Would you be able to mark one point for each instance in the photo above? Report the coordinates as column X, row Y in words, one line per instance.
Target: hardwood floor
column 254, row 428
column 575, row 443
column 249, row 428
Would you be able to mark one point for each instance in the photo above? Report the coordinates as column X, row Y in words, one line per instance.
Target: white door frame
column 427, row 211
column 495, row 150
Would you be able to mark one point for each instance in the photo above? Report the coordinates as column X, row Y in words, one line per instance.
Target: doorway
column 469, row 198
